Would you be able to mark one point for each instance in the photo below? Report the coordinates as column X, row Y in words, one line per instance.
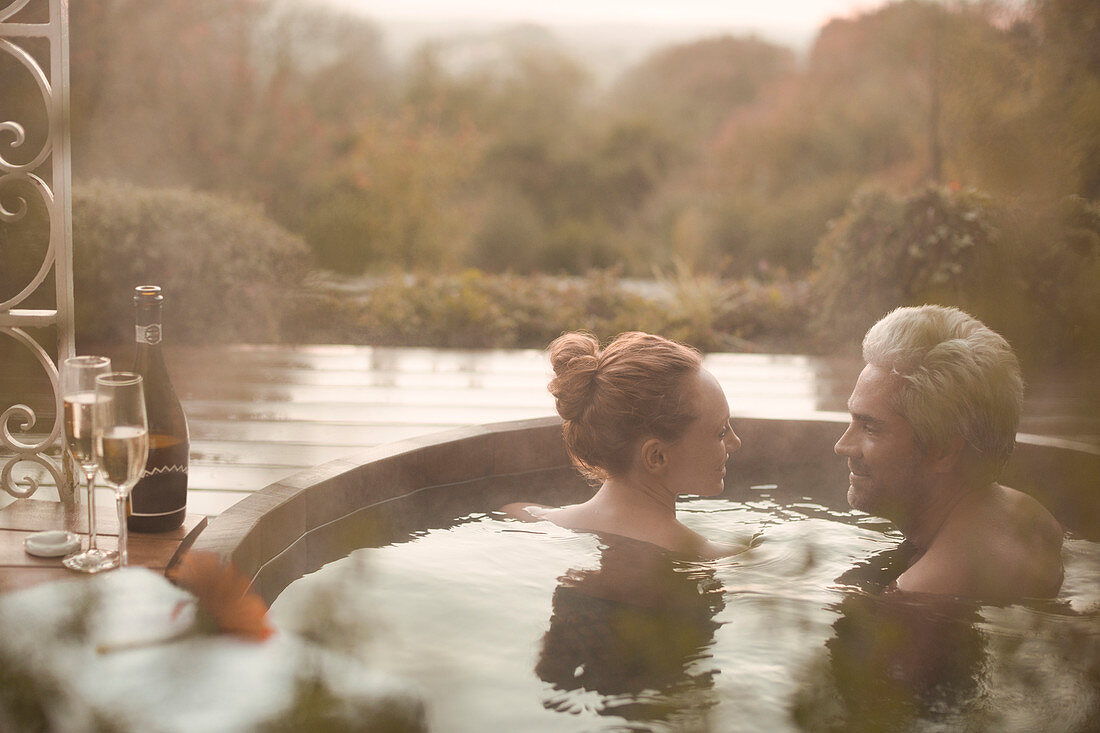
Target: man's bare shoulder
column 1033, row 538
column 999, row 544
column 1018, row 523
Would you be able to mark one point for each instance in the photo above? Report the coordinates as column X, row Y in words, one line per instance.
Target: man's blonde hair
column 960, row 378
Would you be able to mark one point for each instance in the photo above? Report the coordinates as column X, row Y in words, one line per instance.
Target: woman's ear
column 653, row 455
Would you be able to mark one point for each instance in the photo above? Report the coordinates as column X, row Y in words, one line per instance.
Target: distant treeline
column 908, row 149
column 729, row 154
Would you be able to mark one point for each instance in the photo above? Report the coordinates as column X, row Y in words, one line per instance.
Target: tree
column 1069, row 99
column 691, row 88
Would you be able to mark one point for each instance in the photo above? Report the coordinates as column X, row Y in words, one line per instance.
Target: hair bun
column 575, row 359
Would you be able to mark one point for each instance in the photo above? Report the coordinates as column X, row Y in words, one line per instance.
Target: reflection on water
column 893, row 655
column 509, row 626
column 930, row 665
column 894, row 658
column 635, row 632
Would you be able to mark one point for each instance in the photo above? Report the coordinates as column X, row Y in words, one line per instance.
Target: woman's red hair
column 613, row 398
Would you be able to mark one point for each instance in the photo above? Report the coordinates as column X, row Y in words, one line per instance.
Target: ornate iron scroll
column 44, row 173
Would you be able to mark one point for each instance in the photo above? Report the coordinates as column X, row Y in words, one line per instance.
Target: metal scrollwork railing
column 43, row 174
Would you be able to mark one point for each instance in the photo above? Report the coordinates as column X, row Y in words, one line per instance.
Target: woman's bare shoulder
column 713, row 550
column 526, row 511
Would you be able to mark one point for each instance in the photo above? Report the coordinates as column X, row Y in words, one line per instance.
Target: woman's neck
column 642, row 495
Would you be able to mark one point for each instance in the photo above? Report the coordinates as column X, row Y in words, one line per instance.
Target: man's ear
column 949, row 456
column 653, row 455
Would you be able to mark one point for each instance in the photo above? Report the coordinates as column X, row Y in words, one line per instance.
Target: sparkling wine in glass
column 121, row 439
column 78, row 395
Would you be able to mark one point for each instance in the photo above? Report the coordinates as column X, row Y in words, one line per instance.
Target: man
column 934, row 417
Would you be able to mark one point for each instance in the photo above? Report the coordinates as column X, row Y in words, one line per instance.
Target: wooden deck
column 20, row 519
column 260, row 413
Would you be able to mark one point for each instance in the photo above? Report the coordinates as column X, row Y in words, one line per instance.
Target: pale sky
column 730, row 14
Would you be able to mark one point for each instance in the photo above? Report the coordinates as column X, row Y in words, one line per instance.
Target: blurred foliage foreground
column 231, row 275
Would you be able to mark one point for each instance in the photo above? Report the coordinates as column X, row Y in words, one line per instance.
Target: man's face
column 888, row 469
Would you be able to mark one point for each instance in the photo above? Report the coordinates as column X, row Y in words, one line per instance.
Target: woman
column 647, row 421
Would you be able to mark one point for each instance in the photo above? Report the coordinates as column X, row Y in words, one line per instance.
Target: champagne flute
column 78, row 389
column 121, row 442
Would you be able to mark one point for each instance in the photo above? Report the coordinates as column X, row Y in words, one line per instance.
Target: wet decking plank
column 260, row 413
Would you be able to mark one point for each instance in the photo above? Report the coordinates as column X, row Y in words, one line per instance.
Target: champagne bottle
column 158, row 501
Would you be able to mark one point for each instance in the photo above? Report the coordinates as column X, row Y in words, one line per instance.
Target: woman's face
column 696, row 462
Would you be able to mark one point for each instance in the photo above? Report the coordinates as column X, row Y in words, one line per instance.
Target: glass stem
column 90, row 479
column 120, row 499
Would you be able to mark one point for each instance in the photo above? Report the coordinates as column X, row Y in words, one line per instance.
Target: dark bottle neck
column 148, row 330
column 162, row 405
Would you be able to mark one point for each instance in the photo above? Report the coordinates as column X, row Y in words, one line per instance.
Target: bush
column 451, row 311
column 474, row 309
column 1027, row 271
column 935, row 246
column 1060, row 252
column 228, row 273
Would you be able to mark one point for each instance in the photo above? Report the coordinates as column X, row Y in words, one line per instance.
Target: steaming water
column 504, row 625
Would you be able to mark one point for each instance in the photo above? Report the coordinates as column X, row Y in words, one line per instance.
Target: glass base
column 91, row 561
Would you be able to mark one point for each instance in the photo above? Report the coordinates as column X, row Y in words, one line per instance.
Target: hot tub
column 791, row 635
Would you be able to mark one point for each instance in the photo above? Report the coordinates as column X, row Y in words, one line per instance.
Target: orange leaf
column 223, row 595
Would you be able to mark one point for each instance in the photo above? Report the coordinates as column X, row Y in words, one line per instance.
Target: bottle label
column 163, row 469
column 148, row 334
column 162, row 489
column 159, row 494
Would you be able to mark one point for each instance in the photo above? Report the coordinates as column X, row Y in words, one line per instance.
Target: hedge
column 228, row 273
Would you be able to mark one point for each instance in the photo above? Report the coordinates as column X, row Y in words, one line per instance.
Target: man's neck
column 928, row 519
